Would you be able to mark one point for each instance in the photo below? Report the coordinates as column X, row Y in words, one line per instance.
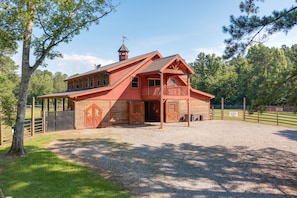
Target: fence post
column 212, row 114
column 277, row 118
column 43, row 122
column 258, row 116
column 1, row 135
column 33, row 117
column 244, row 108
column 222, row 107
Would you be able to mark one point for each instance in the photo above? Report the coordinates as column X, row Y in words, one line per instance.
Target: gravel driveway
column 208, row 159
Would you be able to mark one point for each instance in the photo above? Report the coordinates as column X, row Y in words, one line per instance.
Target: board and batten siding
column 113, row 112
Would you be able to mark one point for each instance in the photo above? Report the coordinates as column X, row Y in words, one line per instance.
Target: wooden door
column 93, row 116
column 136, row 112
column 172, row 112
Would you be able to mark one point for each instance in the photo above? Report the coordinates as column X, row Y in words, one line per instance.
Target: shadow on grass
column 188, row 170
column 290, row 134
column 42, row 174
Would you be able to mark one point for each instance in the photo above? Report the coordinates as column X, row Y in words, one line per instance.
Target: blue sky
column 185, row 27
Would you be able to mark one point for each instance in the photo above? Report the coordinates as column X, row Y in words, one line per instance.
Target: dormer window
column 77, row 84
column 135, row 82
column 87, row 82
column 102, row 80
column 92, row 81
column 105, row 79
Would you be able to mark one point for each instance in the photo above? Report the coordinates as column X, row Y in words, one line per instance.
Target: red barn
column 144, row 88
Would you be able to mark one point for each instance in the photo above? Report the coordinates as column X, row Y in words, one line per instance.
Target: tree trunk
column 17, row 146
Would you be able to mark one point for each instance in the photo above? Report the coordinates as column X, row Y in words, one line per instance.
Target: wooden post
column 55, row 110
column 48, row 105
column 33, row 117
column 63, row 104
column 244, row 108
column 188, row 100
column 1, row 135
column 161, row 102
column 212, row 113
column 43, row 122
column 222, row 107
column 42, row 103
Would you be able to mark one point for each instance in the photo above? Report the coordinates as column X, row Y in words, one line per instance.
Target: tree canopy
column 41, row 25
column 9, row 82
column 264, row 76
column 244, row 29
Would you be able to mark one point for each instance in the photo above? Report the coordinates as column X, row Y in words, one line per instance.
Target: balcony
column 174, row 91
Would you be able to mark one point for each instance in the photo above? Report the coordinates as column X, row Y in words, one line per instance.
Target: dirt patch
column 208, row 159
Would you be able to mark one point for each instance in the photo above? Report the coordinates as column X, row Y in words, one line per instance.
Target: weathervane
column 124, row 38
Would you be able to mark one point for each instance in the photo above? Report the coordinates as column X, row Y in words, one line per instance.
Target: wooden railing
column 168, row 90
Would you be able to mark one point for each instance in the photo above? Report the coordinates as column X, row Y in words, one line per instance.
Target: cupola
column 123, row 52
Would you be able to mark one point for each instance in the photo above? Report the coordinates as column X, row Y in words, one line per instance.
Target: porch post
column 33, row 117
column 63, row 104
column 188, row 100
column 42, row 103
column 48, row 105
column 161, row 102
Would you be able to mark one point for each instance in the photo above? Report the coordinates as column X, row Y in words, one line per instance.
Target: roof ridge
column 110, row 66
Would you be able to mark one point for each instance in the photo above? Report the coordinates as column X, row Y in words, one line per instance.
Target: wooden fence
column 277, row 118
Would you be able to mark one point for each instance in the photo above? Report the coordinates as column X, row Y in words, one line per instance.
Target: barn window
column 172, row 82
column 87, row 82
column 134, row 82
column 99, row 80
column 81, row 82
column 92, row 81
column 77, row 84
column 154, row 82
column 105, row 79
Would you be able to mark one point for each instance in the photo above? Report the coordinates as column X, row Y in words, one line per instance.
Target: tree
column 244, row 29
column 267, row 66
column 52, row 22
column 41, row 83
column 9, row 81
column 59, row 84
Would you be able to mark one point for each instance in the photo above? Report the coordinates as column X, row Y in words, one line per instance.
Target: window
column 102, row 80
column 81, row 82
column 99, row 80
column 105, row 79
column 172, row 82
column 87, row 82
column 154, row 82
column 77, row 84
column 92, row 81
column 134, row 82
column 70, row 85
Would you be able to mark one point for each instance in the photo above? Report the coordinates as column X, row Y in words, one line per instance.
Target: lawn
column 42, row 174
column 229, row 114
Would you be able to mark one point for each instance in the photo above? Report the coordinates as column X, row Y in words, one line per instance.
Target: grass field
column 42, row 174
column 228, row 114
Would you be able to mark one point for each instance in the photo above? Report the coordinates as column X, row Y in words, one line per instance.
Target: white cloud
column 218, row 51
column 279, row 39
column 77, row 63
column 86, row 59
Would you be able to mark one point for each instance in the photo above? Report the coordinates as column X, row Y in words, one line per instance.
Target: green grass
column 227, row 114
column 42, row 174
